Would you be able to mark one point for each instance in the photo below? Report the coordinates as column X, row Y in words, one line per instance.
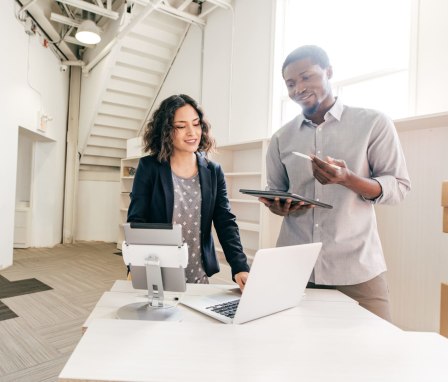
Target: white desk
column 122, row 294
column 115, row 350
column 327, row 338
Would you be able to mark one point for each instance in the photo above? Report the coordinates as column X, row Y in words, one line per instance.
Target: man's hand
column 241, row 279
column 330, row 171
column 335, row 171
column 284, row 208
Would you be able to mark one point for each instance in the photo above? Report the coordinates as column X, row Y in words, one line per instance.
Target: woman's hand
column 241, row 279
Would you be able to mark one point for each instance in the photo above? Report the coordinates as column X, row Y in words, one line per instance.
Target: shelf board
column 127, row 177
column 35, row 135
column 130, row 159
column 428, row 121
column 243, row 173
column 250, row 253
column 255, row 144
column 245, row 201
column 247, row 226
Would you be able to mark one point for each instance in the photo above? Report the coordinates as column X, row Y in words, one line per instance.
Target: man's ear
column 330, row 72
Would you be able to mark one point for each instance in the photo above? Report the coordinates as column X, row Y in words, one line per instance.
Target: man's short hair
column 316, row 54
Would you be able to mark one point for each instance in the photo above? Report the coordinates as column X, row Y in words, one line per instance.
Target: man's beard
column 311, row 110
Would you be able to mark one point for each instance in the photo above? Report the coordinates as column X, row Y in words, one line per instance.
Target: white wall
column 240, row 64
column 216, row 73
column 415, row 247
column 27, row 63
column 96, row 217
column 24, row 170
column 98, row 213
column 432, row 62
column 185, row 74
column 93, row 86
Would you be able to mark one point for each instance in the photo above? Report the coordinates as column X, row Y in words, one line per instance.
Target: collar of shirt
column 335, row 112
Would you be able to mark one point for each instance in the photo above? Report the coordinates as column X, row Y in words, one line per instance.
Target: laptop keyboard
column 227, row 309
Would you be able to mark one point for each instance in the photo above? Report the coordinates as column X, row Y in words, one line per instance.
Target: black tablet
column 283, row 196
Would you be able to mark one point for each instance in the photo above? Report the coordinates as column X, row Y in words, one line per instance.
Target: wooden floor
column 35, row 345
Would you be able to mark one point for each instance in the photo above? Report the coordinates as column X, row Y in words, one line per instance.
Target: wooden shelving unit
column 127, row 171
column 244, row 166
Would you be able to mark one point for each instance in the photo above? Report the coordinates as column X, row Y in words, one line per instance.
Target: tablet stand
column 155, row 309
column 157, row 258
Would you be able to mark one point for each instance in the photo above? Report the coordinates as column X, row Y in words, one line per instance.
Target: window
column 369, row 45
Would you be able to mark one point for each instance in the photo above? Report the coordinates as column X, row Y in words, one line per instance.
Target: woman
column 177, row 184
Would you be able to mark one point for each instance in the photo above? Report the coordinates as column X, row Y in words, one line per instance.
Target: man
column 370, row 169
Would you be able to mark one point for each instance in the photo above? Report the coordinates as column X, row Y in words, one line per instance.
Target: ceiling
column 58, row 20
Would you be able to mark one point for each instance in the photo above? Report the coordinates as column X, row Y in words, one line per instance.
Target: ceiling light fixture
column 88, row 33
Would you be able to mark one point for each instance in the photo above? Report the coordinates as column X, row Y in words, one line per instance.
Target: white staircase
column 137, row 66
column 141, row 61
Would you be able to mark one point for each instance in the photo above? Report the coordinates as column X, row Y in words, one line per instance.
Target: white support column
column 72, row 157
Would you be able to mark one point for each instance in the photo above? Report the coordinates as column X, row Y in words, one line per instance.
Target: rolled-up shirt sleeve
column 387, row 162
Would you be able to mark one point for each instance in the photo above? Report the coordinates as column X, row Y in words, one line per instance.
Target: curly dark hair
column 158, row 137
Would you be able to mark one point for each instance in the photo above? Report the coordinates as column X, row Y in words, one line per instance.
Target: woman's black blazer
column 152, row 201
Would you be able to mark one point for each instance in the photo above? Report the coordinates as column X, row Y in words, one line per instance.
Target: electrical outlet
column 40, row 126
column 42, row 121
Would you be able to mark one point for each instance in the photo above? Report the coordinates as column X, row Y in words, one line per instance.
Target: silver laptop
column 276, row 282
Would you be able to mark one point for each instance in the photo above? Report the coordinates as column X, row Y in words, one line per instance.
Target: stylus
column 301, row 155
column 309, row 158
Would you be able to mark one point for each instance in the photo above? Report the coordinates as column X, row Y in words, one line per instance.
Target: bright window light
column 369, row 45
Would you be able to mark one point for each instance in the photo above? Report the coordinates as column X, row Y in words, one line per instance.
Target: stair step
column 122, row 123
column 94, row 168
column 142, row 55
column 136, row 75
column 113, row 132
column 107, row 142
column 118, row 98
column 149, row 64
column 147, row 48
column 165, row 22
column 105, row 152
column 122, row 111
column 131, row 88
column 100, row 161
column 157, row 34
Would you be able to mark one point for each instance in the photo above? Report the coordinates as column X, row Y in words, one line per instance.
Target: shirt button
column 316, row 225
column 317, row 199
column 318, row 151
